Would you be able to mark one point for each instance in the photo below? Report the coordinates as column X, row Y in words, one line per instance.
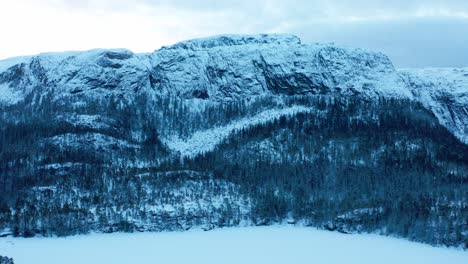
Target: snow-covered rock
column 445, row 93
column 228, row 67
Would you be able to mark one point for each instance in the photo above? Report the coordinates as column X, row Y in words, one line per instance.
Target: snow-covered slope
column 235, row 67
column 206, row 140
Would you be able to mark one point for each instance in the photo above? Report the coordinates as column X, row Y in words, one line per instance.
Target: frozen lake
column 277, row 244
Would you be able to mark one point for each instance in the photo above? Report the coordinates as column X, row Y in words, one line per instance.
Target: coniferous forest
column 347, row 164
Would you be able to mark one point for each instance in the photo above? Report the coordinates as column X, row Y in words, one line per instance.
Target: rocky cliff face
column 444, row 92
column 260, row 65
column 232, row 130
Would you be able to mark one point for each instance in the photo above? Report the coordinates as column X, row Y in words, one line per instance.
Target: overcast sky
column 414, row 33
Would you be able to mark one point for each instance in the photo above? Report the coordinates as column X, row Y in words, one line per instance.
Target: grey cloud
column 409, row 43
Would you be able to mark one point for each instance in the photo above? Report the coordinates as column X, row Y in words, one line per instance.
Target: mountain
column 233, row 130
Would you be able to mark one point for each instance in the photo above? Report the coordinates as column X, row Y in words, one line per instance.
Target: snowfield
column 276, row 244
column 205, row 141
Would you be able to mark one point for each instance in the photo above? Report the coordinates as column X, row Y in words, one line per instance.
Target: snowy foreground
column 271, row 245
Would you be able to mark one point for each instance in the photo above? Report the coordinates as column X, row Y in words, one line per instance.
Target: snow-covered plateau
column 275, row 244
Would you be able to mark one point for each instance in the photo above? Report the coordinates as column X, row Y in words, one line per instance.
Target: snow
column 89, row 140
column 10, row 62
column 235, row 40
column 8, row 95
column 274, row 244
column 56, row 166
column 444, row 91
column 238, row 67
column 206, row 140
column 88, row 121
column 453, row 79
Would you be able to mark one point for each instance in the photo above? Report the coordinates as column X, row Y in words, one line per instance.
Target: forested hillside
column 342, row 163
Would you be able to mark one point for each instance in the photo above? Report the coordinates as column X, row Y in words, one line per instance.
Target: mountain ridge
column 233, row 67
